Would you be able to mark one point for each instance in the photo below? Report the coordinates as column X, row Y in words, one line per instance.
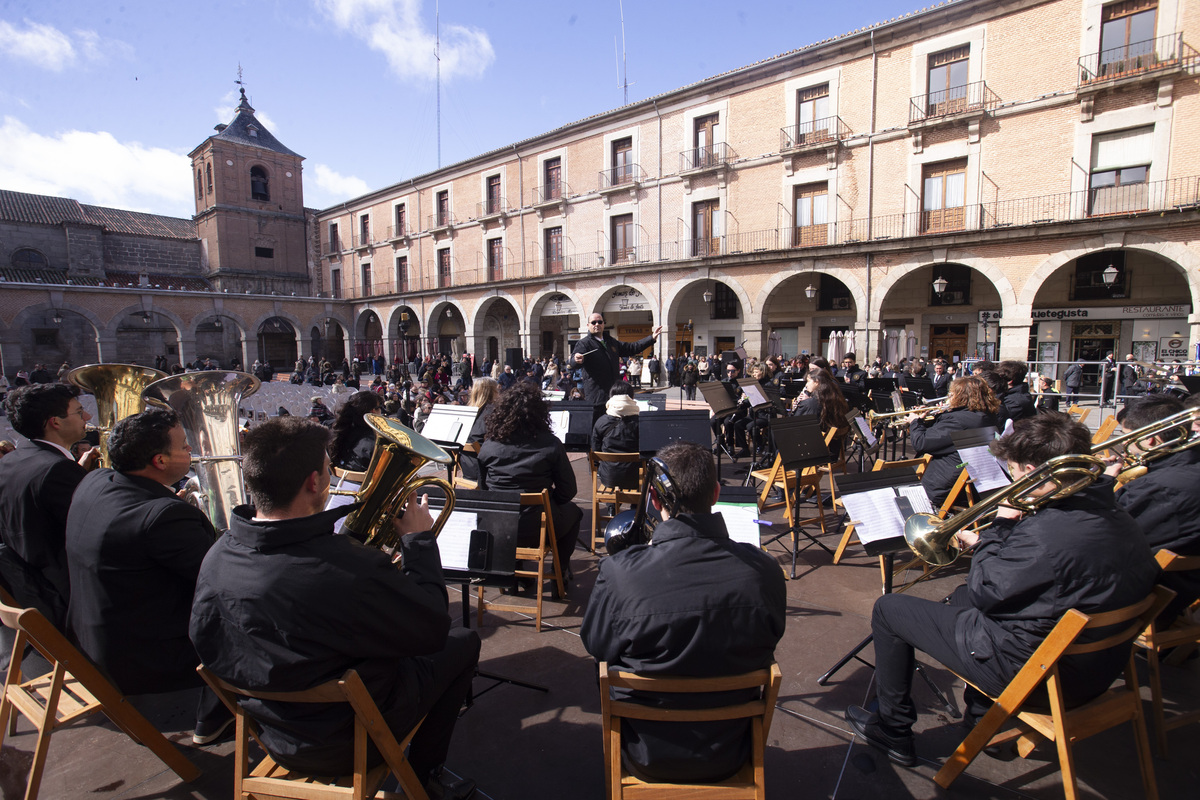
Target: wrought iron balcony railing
column 553, row 192
column 814, row 132
column 620, row 176
column 1164, row 53
column 711, row 156
column 492, row 207
column 970, row 97
column 398, row 232
column 439, row 221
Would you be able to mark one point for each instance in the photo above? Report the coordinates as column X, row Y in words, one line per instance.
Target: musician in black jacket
column 36, row 485
column 1048, row 398
column 599, row 354
column 1015, row 403
column 352, row 441
column 851, row 373
column 971, row 405
column 941, row 379
column 617, row 432
column 822, row 397
column 1078, row 552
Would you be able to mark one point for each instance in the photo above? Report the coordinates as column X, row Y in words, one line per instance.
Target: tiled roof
column 46, row 275
column 186, row 283
column 116, row 280
column 239, row 131
column 43, row 209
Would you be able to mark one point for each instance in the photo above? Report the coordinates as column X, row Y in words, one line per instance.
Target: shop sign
column 1170, row 347
column 626, row 299
column 1101, row 312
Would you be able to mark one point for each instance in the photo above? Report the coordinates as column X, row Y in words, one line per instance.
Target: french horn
column 118, row 391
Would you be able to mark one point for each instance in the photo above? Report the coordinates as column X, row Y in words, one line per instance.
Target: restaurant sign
column 1101, row 312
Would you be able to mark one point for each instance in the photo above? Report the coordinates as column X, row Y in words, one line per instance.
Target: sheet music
column 339, row 500
column 756, row 394
column 986, row 471
column 559, row 423
column 865, row 430
column 553, row 395
column 740, row 521
column 454, row 542
column 441, row 428
column 917, row 498
column 643, row 406
column 875, row 514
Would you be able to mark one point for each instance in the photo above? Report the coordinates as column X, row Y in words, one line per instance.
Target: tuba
column 930, row 536
column 399, row 454
column 118, row 392
column 207, row 404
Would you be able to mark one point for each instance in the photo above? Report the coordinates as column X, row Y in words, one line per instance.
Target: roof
column 115, row 280
column 239, row 131
column 40, row 209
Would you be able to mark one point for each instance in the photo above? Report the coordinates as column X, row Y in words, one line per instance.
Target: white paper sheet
column 559, row 421
column 756, row 394
column 441, row 429
column 984, row 468
column 865, row 429
column 740, row 522
column 917, row 498
column 454, row 542
column 875, row 514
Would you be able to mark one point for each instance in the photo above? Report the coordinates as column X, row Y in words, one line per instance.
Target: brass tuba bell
column 118, row 392
column 399, row 454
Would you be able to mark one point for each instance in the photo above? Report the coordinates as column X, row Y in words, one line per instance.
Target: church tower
column 250, row 209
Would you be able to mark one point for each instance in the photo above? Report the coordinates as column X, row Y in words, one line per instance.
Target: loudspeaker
column 514, row 358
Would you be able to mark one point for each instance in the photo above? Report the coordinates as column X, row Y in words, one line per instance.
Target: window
column 552, row 188
column 944, row 197
column 443, row 268
column 622, row 239
column 554, row 251
column 1127, row 37
column 208, row 176
column 494, row 201
column 948, row 81
column 335, row 241
column 724, row 304
column 443, row 208
column 812, row 114
column 833, row 295
column 264, row 252
column 1120, row 169
column 335, row 283
column 28, row 258
column 811, row 207
column 259, row 189
column 366, row 280
column 1088, row 281
column 704, row 139
column 401, row 221
column 958, row 285
column 402, row 274
column 199, row 185
column 364, row 229
column 706, row 228
column 622, row 161
column 495, row 259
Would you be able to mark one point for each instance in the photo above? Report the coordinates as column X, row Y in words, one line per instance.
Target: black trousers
column 903, row 624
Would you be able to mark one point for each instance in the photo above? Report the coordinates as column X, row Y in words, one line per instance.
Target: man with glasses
column 599, row 355
column 36, row 485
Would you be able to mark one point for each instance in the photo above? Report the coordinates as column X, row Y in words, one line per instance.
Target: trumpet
column 930, row 537
column 894, row 419
column 1147, row 451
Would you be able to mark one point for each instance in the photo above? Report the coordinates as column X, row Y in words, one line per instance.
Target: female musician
column 822, row 397
column 521, row 454
column 484, row 392
column 971, row 404
column 353, row 441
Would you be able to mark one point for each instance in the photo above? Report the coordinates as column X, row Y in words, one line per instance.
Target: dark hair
column 278, row 456
column 1036, row 440
column 1143, row 411
column 693, row 472
column 834, row 407
column 137, row 439
column 1192, row 401
column 974, row 393
column 820, row 361
column 31, row 407
column 994, row 381
column 520, row 414
column 1012, row 371
column 349, row 423
column 984, row 366
column 850, row 357
column 619, row 388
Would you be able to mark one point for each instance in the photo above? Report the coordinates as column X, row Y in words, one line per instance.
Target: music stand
column 489, row 522
column 663, row 427
column 578, row 436
column 734, row 499
column 921, row 386
column 885, row 547
column 1191, row 383
column 723, row 405
column 879, row 386
column 800, row 445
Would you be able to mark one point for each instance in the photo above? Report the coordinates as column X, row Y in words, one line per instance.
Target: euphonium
column 930, row 537
column 118, row 392
column 399, row 453
column 1135, row 463
column 207, row 404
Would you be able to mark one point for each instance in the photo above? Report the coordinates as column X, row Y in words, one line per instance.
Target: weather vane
column 239, row 80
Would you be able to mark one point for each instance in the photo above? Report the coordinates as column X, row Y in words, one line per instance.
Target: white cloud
column 331, row 187
column 95, row 168
column 48, row 47
column 227, row 110
column 395, row 29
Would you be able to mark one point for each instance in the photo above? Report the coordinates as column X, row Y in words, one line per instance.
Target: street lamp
column 1109, row 275
column 810, row 291
column 57, row 317
column 939, row 285
column 708, row 295
column 404, row 323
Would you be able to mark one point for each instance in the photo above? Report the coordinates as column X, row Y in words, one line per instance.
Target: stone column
column 186, row 347
column 1014, row 338
column 106, row 348
column 755, row 346
column 248, row 354
column 11, row 357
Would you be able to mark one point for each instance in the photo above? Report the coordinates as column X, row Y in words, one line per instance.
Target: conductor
column 599, row 355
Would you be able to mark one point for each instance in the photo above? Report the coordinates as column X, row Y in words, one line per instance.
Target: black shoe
column 443, row 787
column 899, row 749
column 741, row 453
column 211, row 732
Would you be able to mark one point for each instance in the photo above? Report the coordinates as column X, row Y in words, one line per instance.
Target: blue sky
column 102, row 101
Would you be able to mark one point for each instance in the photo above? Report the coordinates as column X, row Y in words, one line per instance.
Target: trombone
column 895, row 419
column 1146, row 451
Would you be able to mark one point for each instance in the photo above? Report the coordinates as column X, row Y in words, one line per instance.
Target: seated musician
column 484, row 393
column 36, row 485
column 283, row 604
column 971, row 404
column 133, row 551
column 617, row 432
column 352, row 441
column 1078, row 552
column 1015, row 402
column 1165, row 501
column 851, row 373
column 521, row 454
column 693, row 604
column 731, row 429
column 822, row 397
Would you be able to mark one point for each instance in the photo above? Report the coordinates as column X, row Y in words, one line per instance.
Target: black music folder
column 879, row 503
column 800, row 441
column 717, row 397
column 663, row 427
column 480, row 539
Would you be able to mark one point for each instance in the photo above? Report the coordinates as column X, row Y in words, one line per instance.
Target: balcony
column 494, row 209
column 1152, row 58
column 957, row 102
column 439, row 224
column 549, row 196
column 708, row 160
column 621, row 178
column 398, row 232
column 812, row 135
column 333, row 248
column 363, row 241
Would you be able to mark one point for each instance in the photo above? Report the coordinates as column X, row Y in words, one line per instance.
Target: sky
column 102, row 101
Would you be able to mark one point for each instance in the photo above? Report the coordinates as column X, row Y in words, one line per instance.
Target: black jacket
column 134, row 550
column 936, row 439
column 1048, row 401
column 531, row 466
column 1073, row 377
column 467, row 461
column 285, row 606
column 355, row 453
column 941, row 383
column 613, row 434
column 1081, row 552
column 1016, row 404
column 692, row 604
column 36, row 485
column 601, row 363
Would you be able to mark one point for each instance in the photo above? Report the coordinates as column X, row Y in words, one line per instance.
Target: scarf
column 621, row 405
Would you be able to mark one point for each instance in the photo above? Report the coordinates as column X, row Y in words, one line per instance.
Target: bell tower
column 250, row 209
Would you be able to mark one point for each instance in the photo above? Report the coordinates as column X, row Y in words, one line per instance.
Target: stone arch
column 21, row 320
column 848, row 277
column 1008, row 296
column 538, row 305
column 176, row 321
column 655, row 308
column 542, row 296
column 297, row 325
column 208, row 316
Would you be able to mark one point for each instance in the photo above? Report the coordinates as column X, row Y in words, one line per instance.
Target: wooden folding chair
column 546, row 546
column 1061, row 725
column 71, row 690
column 1105, row 430
column 1080, row 414
column 848, row 535
column 269, row 780
column 460, row 482
column 1155, row 640
column 606, row 495
column 749, row 782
